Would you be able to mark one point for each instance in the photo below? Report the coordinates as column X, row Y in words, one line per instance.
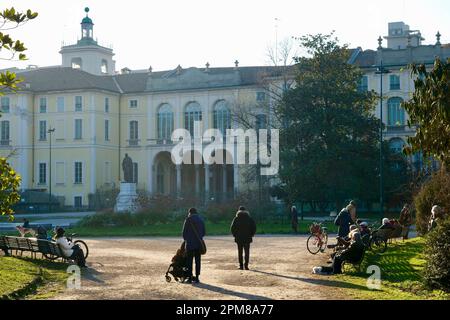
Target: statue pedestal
column 127, row 198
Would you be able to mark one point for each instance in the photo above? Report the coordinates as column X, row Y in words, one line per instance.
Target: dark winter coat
column 344, row 221
column 243, row 228
column 354, row 252
column 192, row 241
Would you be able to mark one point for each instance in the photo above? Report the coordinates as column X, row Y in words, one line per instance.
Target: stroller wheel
column 168, row 279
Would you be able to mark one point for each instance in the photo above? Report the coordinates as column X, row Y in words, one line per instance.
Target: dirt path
column 135, row 269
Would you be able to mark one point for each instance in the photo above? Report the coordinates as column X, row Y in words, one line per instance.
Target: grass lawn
column 401, row 267
column 174, row 229
column 18, row 273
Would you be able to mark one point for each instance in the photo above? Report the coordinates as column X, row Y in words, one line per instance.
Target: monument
column 127, row 200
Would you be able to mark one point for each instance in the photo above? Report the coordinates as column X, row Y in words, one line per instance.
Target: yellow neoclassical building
column 89, row 116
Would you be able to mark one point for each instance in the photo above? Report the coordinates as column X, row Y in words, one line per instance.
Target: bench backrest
column 3, row 244
column 24, row 244
column 12, row 242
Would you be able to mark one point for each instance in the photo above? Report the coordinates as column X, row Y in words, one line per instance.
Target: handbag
column 202, row 242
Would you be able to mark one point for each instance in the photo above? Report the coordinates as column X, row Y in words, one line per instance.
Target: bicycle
column 317, row 241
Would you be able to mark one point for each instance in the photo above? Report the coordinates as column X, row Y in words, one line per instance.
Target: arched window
column 104, row 66
column 165, row 122
column 396, row 113
column 396, row 145
column 192, row 113
column 77, row 63
column 222, row 117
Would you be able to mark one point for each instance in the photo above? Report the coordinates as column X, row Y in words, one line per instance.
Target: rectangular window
column 107, row 105
column 60, row 178
column 43, row 105
column 4, row 134
column 261, row 122
column 363, row 85
column 260, row 96
column 42, row 130
column 78, row 129
column 60, row 129
column 42, row 173
column 78, row 103
column 60, row 104
column 5, row 103
column 134, row 133
column 135, row 173
column 394, row 82
column 133, row 103
column 106, row 130
column 78, row 202
column 78, row 173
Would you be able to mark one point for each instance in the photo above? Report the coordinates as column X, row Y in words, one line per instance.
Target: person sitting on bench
column 70, row 250
column 353, row 253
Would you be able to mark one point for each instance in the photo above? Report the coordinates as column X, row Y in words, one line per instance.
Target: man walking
column 243, row 229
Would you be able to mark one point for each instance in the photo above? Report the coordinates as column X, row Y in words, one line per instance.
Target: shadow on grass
column 395, row 263
column 319, row 282
column 231, row 292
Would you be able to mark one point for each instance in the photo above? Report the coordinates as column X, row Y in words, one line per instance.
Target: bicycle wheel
column 313, row 244
column 83, row 246
column 378, row 245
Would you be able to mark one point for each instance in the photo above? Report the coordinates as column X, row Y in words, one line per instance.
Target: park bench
column 48, row 249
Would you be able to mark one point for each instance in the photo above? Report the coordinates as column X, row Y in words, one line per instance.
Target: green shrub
column 437, row 268
column 434, row 192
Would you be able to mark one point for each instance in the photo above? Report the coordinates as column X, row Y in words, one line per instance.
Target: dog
column 24, row 231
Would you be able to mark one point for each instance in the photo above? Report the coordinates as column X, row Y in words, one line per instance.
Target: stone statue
column 127, row 166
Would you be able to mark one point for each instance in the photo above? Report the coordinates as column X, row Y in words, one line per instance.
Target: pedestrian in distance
column 294, row 219
column 243, row 229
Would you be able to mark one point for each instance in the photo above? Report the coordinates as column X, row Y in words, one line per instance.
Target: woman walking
column 193, row 233
column 243, row 229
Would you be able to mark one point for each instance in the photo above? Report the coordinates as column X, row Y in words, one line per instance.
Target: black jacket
column 344, row 221
column 243, row 227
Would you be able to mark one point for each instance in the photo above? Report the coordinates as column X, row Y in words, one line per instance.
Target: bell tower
column 87, row 54
column 87, row 27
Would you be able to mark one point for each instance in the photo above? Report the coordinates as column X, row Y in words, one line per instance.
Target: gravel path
column 135, row 269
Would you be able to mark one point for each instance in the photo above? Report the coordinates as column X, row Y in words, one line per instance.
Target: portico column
column 207, row 182
column 224, row 181
column 236, row 179
column 178, row 180
column 197, row 179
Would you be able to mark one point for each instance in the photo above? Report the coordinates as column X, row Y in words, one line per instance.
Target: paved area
column 135, row 269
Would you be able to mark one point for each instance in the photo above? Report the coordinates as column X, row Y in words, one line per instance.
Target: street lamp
column 381, row 70
column 50, row 131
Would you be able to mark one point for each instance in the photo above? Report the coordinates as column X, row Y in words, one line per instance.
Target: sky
column 166, row 33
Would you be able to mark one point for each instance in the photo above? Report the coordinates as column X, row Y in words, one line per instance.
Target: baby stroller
column 178, row 268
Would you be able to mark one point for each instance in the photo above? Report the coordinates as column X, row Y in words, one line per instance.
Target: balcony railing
column 5, row 143
column 133, row 142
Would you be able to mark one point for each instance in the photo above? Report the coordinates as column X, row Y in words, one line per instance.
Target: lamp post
column 381, row 70
column 50, row 131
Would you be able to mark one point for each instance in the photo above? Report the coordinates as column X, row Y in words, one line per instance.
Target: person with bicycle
column 70, row 250
column 345, row 219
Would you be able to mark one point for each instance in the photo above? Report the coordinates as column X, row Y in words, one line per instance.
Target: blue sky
column 166, row 33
